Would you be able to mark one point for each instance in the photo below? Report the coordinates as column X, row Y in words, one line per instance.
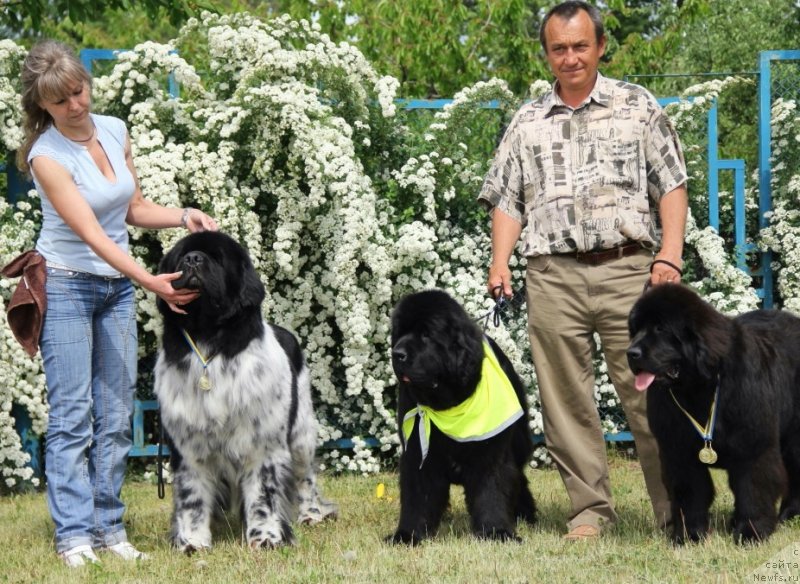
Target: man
column 592, row 169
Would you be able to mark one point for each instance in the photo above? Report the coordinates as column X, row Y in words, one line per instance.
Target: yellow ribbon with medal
column 707, row 455
column 205, row 381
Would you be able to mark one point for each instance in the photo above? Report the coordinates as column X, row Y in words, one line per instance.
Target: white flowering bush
column 710, row 257
column 21, row 378
column 782, row 236
column 345, row 201
column 11, row 57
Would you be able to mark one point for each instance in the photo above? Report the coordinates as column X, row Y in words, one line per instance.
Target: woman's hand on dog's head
column 196, row 221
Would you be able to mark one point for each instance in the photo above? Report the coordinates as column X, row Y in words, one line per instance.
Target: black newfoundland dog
column 235, row 402
column 721, row 392
column 463, row 419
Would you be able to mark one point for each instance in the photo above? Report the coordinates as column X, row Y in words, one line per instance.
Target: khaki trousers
column 567, row 303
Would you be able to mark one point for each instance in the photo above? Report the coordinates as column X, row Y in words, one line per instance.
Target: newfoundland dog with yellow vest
column 463, row 419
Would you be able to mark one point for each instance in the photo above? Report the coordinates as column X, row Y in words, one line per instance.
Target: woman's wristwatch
column 185, row 216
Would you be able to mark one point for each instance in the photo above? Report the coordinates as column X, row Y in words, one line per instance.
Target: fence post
column 766, row 58
column 30, row 441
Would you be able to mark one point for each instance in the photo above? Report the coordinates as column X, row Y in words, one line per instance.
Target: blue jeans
column 89, row 348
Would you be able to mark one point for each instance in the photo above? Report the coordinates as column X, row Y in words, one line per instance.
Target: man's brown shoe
column 582, row 532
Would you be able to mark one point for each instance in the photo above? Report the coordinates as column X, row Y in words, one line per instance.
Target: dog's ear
column 704, row 349
column 468, row 349
column 712, row 334
column 696, row 352
column 251, row 290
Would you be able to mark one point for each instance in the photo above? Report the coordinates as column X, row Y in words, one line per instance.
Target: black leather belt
column 595, row 258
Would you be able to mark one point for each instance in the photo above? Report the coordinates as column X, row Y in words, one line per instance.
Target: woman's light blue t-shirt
column 109, row 199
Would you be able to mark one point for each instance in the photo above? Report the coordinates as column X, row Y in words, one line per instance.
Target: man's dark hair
column 567, row 10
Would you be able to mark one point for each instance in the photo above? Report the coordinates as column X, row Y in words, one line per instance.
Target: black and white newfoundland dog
column 235, row 402
column 721, row 392
column 463, row 419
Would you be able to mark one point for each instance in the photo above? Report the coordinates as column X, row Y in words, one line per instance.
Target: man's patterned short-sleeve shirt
column 588, row 178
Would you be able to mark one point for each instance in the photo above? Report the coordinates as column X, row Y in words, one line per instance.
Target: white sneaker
column 126, row 551
column 78, row 556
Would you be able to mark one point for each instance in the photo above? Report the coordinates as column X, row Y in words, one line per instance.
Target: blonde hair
column 49, row 73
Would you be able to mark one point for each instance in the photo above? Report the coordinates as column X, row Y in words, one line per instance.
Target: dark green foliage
column 24, row 15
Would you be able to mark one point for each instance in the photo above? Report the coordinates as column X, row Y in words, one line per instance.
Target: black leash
column 648, row 285
column 160, row 459
column 501, row 304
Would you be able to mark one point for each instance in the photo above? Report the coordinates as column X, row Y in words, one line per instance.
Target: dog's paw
column 269, row 538
column 752, row 532
column 404, row 537
column 190, row 550
column 683, row 536
column 189, row 546
column 266, row 544
column 499, row 534
column 527, row 515
column 317, row 513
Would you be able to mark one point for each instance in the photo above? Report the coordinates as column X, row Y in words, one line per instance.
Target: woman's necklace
column 94, row 131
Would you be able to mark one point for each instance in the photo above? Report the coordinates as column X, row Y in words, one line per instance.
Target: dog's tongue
column 643, row 380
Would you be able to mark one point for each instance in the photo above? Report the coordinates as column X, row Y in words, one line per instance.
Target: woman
column 83, row 170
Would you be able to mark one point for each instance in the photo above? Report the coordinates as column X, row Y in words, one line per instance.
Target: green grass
column 352, row 550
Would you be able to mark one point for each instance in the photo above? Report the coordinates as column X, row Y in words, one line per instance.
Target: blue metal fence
column 143, row 408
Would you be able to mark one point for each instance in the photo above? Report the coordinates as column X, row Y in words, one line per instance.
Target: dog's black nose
column 399, row 355
column 193, row 259
column 634, row 353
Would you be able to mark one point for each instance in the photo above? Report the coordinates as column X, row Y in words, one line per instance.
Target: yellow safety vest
column 491, row 409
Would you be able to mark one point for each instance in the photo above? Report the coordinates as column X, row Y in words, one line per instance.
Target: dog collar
column 205, row 382
column 493, row 407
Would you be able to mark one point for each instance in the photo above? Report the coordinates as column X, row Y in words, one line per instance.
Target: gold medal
column 205, row 383
column 707, row 454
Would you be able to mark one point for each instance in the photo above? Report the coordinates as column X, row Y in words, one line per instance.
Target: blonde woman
column 82, row 168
